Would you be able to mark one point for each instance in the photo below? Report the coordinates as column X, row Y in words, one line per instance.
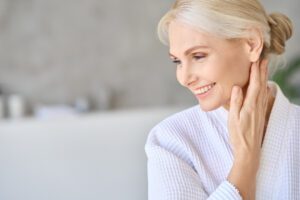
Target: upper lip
column 202, row 86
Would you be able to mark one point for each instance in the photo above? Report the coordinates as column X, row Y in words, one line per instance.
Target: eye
column 198, row 56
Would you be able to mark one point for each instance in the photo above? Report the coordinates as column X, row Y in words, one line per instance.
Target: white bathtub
column 96, row 156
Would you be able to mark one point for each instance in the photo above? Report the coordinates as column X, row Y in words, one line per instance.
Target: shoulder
column 177, row 123
column 168, row 137
column 284, row 113
column 295, row 111
column 178, row 131
column 186, row 124
column 294, row 117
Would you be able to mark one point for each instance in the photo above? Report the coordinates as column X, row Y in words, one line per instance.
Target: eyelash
column 198, row 57
column 178, row 62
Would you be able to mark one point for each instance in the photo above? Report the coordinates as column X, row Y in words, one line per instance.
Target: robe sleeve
column 170, row 177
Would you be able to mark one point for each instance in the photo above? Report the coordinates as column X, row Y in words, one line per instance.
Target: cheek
column 234, row 71
column 228, row 73
column 240, row 73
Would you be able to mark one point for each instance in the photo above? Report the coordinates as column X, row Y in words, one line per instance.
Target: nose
column 186, row 76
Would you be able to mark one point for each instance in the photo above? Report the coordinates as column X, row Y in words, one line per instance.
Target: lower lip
column 202, row 96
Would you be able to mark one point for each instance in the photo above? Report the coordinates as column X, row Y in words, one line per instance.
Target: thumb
column 236, row 102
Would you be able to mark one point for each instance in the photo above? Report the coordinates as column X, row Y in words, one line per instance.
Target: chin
column 207, row 108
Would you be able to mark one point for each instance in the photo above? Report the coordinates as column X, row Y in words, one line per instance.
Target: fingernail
column 237, row 89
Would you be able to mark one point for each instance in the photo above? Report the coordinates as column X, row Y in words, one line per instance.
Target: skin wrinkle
column 226, row 62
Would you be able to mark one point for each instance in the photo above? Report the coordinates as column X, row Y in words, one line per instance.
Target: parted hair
column 231, row 19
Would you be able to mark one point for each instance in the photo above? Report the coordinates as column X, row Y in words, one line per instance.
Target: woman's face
column 207, row 65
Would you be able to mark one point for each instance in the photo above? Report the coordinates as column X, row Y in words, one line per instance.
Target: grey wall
column 53, row 51
column 292, row 9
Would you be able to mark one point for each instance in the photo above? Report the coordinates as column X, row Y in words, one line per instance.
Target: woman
column 242, row 142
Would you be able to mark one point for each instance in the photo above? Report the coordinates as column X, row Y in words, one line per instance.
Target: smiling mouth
column 204, row 89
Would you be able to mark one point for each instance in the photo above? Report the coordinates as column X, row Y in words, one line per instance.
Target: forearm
column 243, row 176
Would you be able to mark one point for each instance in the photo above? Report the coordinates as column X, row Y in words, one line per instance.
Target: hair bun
column 281, row 30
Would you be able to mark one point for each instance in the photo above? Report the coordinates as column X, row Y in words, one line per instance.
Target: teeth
column 205, row 89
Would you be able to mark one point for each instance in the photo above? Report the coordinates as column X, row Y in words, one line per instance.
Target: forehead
column 183, row 36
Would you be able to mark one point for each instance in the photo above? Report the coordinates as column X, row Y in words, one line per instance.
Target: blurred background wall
column 105, row 51
column 91, row 55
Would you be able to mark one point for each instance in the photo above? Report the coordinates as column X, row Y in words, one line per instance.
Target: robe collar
column 273, row 144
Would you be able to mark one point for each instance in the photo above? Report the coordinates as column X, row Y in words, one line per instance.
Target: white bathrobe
column 190, row 157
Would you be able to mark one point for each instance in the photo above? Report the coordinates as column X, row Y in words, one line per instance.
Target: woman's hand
column 246, row 127
column 247, row 115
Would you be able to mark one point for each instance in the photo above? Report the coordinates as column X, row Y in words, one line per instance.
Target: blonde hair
column 230, row 19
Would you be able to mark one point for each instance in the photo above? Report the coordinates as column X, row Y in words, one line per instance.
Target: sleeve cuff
column 226, row 191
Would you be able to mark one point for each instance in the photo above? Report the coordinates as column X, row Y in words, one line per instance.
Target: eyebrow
column 188, row 51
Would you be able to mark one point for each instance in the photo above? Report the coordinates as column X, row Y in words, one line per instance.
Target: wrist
column 247, row 163
column 243, row 176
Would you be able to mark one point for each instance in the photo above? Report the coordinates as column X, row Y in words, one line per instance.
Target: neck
column 271, row 99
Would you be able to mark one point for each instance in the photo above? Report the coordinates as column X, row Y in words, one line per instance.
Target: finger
column 262, row 96
column 236, row 102
column 264, row 71
column 266, row 99
column 253, row 87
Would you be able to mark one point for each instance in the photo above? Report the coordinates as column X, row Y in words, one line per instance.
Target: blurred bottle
column 16, row 106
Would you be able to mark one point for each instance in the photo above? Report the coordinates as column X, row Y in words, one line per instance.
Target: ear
column 254, row 44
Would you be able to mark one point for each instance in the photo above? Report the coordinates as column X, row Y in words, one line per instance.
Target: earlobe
column 255, row 44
